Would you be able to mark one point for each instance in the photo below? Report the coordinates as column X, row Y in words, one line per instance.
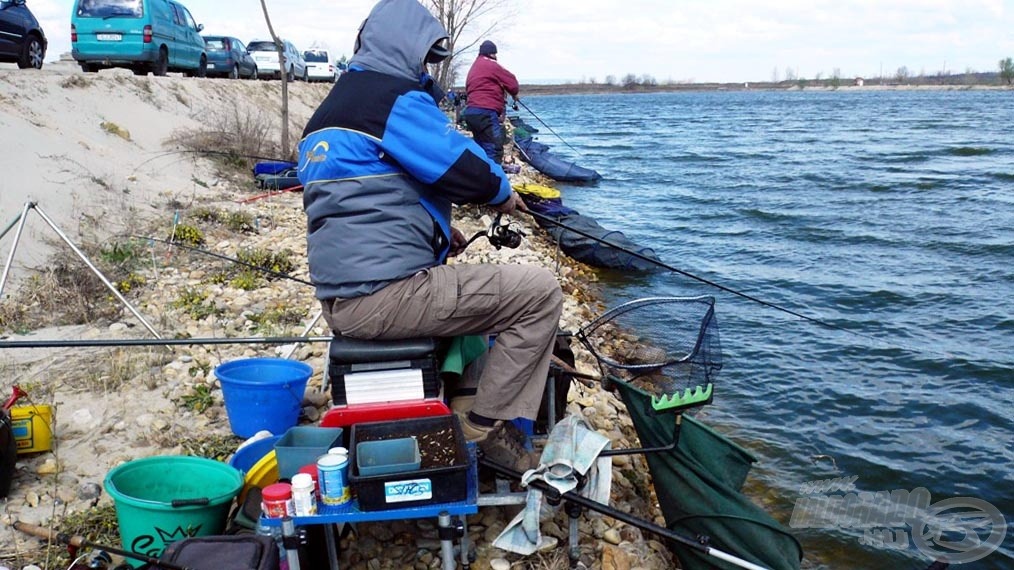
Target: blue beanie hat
column 487, row 48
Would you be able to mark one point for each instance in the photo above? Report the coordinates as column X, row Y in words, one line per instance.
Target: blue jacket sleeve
column 421, row 139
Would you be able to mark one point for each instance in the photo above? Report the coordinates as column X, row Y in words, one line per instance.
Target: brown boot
column 502, row 443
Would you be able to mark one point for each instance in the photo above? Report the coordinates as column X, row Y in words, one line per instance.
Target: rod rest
column 345, row 350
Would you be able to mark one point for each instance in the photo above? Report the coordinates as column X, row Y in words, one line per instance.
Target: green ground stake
column 697, row 396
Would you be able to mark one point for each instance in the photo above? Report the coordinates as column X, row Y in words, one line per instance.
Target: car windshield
column 261, row 46
column 217, row 44
column 110, row 8
column 315, row 57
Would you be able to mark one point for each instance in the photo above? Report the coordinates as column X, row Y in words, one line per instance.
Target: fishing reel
column 501, row 234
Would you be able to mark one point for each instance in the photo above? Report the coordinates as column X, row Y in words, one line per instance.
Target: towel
column 572, row 449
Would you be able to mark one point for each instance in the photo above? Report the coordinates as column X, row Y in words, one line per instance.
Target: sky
column 557, row 41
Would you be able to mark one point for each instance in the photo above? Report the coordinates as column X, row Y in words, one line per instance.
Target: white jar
column 303, row 499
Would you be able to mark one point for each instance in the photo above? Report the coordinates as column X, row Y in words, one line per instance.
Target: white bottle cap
column 302, row 481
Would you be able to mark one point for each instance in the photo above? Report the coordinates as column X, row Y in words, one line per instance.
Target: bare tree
column 285, row 82
column 790, row 74
column 902, row 75
column 460, row 18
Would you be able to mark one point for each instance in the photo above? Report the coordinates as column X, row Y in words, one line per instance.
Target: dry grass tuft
column 236, row 137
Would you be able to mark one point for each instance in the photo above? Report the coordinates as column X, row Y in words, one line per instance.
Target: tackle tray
column 423, row 486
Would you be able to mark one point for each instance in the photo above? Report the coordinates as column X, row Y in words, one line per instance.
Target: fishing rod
column 77, row 541
column 95, row 342
column 225, row 258
column 537, row 118
column 709, row 282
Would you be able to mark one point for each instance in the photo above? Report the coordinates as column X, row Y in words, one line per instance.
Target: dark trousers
column 486, row 130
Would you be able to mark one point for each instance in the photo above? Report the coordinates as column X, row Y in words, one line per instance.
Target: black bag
column 226, row 552
column 8, row 453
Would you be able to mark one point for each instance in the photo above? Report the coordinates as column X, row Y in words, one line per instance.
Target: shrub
column 187, row 235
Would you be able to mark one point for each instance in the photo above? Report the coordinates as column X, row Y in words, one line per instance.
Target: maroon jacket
column 486, row 82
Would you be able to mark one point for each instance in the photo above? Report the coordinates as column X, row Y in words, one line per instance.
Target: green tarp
column 698, row 487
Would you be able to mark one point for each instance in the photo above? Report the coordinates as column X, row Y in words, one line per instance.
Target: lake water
column 888, row 214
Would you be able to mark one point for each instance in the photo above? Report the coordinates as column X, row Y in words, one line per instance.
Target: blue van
column 144, row 35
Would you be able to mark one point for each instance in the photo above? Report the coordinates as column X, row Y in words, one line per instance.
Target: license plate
column 109, row 37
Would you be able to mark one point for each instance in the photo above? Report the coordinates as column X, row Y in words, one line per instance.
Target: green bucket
column 160, row 500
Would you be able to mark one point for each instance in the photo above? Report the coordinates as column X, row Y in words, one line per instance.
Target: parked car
column 319, row 66
column 21, row 37
column 143, row 35
column 264, row 53
column 228, row 57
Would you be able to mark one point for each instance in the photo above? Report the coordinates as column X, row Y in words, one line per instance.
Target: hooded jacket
column 381, row 165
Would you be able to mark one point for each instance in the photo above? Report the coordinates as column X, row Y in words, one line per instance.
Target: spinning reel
column 500, row 235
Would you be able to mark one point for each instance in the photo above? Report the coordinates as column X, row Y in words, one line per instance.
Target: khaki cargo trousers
column 520, row 303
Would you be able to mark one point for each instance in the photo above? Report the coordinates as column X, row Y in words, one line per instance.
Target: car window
column 110, row 8
column 261, row 46
column 236, row 44
column 190, row 19
column 176, row 14
column 315, row 56
column 216, row 44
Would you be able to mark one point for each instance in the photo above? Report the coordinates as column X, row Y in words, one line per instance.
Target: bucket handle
column 202, row 502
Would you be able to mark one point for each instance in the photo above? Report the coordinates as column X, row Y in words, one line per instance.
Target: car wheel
column 89, row 67
column 202, row 68
column 306, row 76
column 161, row 65
column 32, row 53
column 253, row 74
column 234, row 74
column 139, row 71
column 290, row 75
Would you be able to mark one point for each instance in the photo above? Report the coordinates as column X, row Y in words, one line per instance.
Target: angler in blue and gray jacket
column 381, row 167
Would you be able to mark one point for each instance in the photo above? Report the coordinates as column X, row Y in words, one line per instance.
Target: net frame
column 701, row 358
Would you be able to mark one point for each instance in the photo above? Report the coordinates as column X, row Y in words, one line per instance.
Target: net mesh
column 674, row 355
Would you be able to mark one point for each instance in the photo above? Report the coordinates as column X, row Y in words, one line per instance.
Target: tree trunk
column 283, row 75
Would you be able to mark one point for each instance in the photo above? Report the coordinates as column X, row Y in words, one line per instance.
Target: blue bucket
column 263, row 393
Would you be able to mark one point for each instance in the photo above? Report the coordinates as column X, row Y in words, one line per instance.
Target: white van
column 319, row 66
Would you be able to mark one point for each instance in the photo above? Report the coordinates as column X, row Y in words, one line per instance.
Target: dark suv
column 21, row 37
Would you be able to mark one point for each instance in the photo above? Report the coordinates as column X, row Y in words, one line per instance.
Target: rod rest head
column 345, row 350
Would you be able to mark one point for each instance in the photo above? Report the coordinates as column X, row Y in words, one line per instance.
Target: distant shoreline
column 604, row 89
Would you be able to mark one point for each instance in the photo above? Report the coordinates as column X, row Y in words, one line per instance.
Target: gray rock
column 89, row 490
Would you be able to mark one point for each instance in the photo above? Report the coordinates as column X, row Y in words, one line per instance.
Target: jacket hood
column 395, row 38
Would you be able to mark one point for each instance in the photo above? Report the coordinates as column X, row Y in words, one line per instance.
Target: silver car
column 266, row 57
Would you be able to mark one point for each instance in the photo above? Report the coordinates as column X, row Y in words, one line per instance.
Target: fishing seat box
column 426, row 485
column 370, row 371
